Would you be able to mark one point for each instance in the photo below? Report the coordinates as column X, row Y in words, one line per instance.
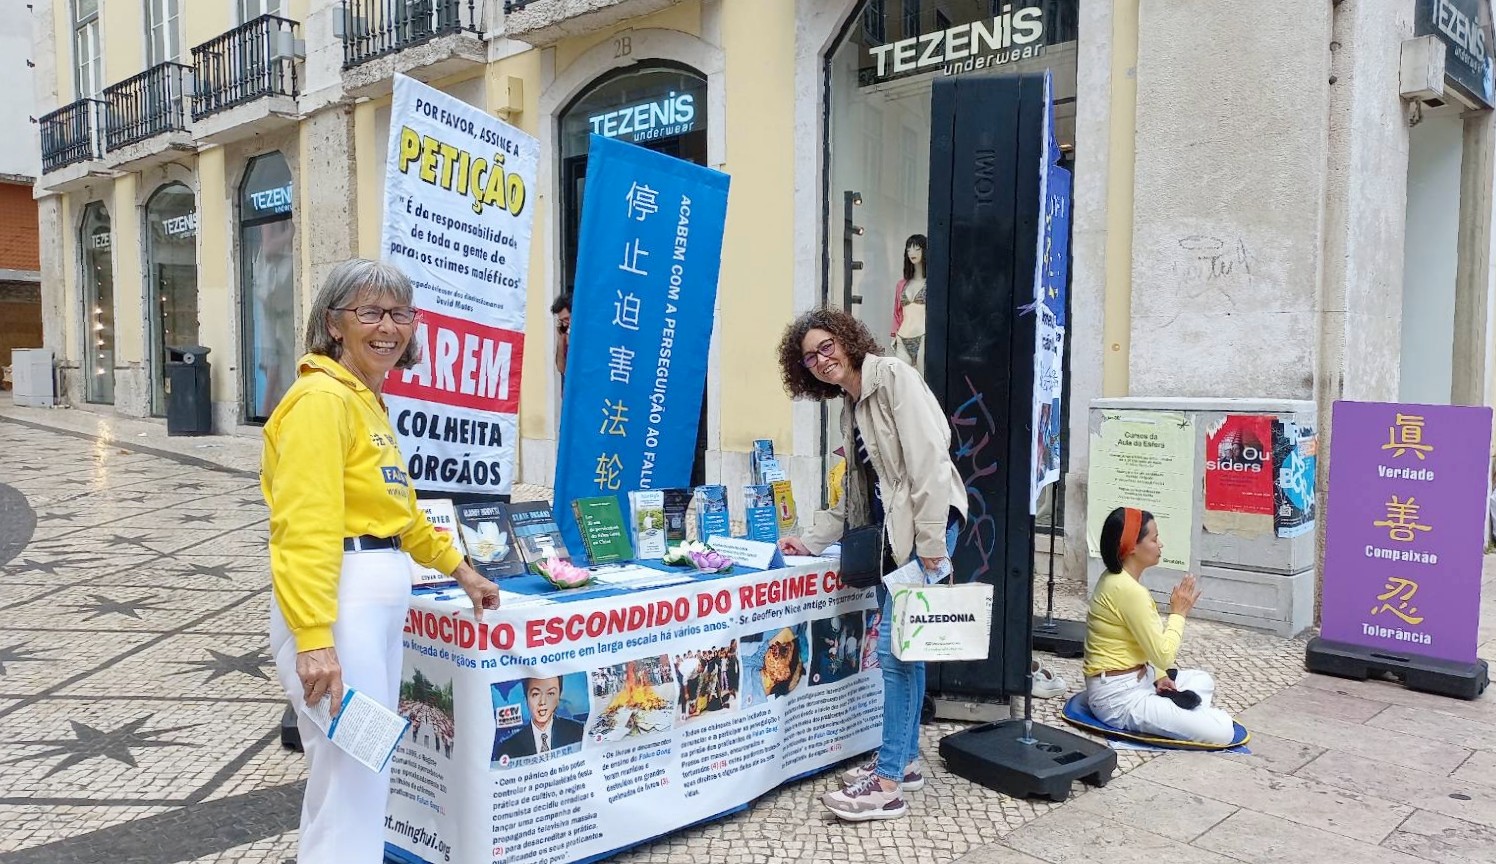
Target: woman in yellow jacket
column 342, row 516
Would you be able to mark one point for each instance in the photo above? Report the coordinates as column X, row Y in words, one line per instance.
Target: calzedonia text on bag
column 942, row 622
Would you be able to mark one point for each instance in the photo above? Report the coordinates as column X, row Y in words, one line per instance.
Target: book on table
column 677, row 503
column 760, row 514
column 488, row 534
column 647, row 507
column 712, row 518
column 604, row 532
column 443, row 517
column 537, row 533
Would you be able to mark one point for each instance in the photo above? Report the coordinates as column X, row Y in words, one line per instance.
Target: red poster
column 1239, row 465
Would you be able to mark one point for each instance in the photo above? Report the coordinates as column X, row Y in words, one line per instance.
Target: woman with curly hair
column 899, row 472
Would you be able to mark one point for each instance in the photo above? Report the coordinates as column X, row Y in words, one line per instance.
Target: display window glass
column 171, row 278
column 878, row 78
column 267, row 285
column 96, row 257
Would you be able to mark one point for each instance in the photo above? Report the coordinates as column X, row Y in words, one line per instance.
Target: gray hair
column 348, row 281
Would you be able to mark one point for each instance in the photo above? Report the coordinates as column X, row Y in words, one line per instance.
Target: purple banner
column 1406, row 528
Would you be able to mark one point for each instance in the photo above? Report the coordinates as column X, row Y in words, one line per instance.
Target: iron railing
column 374, row 28
column 71, row 134
column 255, row 59
column 515, row 5
column 149, row 104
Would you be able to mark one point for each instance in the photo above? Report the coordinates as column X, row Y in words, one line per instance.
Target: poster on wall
column 641, row 325
column 1239, row 465
column 458, row 214
column 1049, row 310
column 1145, row 460
column 1405, row 538
column 562, row 732
column 1295, row 461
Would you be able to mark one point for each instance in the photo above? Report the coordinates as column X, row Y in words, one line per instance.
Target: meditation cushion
column 1078, row 714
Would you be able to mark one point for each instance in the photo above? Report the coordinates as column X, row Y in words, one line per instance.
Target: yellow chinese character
column 1402, row 520
column 609, row 472
column 1407, row 435
column 615, row 418
column 1401, row 590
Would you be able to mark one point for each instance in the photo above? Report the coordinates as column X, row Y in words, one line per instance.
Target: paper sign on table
column 749, row 553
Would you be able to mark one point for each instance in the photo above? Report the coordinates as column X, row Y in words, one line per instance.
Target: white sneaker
column 865, row 800
column 1047, row 685
column 914, row 779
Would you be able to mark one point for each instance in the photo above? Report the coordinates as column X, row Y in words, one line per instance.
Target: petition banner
column 560, row 732
column 457, row 219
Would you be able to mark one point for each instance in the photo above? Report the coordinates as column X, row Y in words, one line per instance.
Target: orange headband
column 1132, row 525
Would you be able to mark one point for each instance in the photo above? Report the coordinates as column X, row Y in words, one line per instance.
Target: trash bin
column 189, row 398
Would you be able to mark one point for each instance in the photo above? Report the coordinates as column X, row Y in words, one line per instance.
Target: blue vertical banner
column 641, row 326
column 1050, row 280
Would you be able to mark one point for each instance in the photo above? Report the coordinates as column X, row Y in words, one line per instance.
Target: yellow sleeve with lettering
column 305, row 492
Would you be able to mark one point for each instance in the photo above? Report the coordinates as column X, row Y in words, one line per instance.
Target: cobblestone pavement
column 142, row 711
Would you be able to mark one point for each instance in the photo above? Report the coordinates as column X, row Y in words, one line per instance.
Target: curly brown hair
column 852, row 335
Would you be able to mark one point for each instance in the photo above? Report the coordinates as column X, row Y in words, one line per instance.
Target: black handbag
column 862, row 556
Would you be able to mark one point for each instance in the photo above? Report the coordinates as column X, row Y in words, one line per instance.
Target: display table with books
column 571, row 723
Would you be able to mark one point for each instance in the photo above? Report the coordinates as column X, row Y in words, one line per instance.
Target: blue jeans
column 903, row 691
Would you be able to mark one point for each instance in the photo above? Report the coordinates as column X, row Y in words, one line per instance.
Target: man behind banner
column 546, row 731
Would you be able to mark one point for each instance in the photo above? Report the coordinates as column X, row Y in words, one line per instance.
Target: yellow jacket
column 1122, row 628
column 331, row 469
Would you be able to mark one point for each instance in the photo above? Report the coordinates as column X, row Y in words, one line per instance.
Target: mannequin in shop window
column 908, row 331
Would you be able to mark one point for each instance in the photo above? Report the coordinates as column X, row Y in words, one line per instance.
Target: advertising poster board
column 1239, row 465
column 458, row 212
column 1145, row 460
column 1405, row 534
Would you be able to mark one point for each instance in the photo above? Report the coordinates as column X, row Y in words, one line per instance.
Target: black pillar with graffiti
column 986, row 216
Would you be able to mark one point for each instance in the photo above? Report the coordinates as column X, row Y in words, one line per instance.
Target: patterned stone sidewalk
column 141, row 705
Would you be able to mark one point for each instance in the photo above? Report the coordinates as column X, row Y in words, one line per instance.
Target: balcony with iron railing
column 147, row 105
column 545, row 22
column 376, row 28
column 72, row 134
column 252, row 61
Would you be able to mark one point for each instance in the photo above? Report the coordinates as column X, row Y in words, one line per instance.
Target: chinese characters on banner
column 1145, row 460
column 1049, row 318
column 1405, row 530
column 641, row 326
column 458, row 212
column 1239, row 465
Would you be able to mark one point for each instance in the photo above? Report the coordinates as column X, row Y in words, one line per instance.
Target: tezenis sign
column 1468, row 64
column 1010, row 36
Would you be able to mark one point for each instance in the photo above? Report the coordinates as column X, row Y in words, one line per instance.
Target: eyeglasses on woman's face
column 374, row 314
column 825, row 349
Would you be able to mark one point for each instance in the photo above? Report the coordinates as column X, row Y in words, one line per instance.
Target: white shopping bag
column 942, row 622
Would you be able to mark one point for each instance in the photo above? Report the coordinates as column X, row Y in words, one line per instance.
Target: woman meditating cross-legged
column 1128, row 653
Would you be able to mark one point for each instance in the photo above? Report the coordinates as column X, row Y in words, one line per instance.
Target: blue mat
column 1078, row 714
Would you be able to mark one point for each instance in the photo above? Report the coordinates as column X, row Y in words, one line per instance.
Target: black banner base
column 1441, row 677
column 290, row 734
column 994, row 756
column 1059, row 636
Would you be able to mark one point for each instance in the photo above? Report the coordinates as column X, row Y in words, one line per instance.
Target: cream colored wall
column 202, row 20
column 129, row 319
column 62, row 36
column 685, row 17
column 217, row 310
column 755, row 296
column 368, row 170
column 123, row 29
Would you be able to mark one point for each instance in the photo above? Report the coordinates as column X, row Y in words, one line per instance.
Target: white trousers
column 342, row 813
column 1130, row 702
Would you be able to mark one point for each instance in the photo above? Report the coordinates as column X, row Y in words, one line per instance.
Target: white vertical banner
column 458, row 212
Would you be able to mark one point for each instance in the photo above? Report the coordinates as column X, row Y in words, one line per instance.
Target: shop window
column 96, row 258
column 267, row 285
column 171, row 279
column 877, row 127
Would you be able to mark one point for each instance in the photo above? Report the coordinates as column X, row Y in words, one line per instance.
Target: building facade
column 1268, row 202
column 20, row 245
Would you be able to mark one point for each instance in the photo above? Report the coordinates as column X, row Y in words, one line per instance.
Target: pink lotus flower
column 563, row 574
column 710, row 561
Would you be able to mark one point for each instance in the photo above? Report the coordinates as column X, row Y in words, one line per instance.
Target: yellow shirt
column 1122, row 628
column 331, row 469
